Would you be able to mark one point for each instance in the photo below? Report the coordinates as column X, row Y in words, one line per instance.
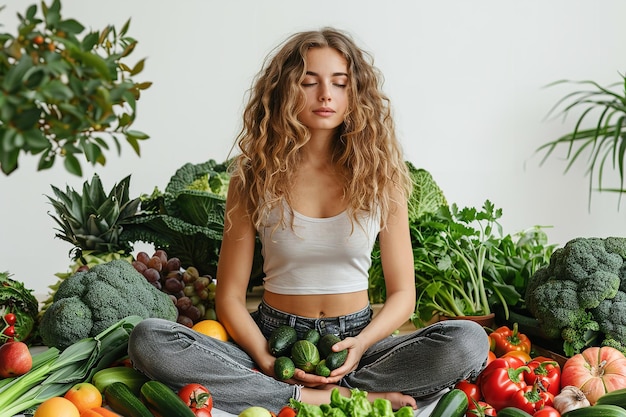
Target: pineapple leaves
column 93, row 220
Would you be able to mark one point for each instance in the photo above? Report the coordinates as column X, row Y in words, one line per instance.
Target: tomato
column 201, row 412
column 480, row 409
column 197, row 397
column 10, row 319
column 596, row 371
column 287, row 411
column 9, row 331
column 547, row 411
column 471, row 390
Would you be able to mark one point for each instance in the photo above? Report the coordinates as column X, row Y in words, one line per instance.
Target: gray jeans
column 420, row 364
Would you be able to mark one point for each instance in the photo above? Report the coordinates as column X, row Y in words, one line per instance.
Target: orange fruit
column 212, row 328
column 57, row 407
column 84, row 396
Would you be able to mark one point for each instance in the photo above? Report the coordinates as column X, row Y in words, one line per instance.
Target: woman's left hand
column 355, row 352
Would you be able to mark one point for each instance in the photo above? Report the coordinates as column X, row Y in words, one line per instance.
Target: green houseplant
column 605, row 142
column 64, row 94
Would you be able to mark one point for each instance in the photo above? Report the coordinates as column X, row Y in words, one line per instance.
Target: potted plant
column 64, row 94
column 604, row 142
column 464, row 265
column 451, row 249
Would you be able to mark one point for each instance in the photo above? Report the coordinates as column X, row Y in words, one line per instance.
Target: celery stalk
column 56, row 373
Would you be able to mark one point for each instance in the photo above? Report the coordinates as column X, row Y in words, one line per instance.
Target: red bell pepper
column 500, row 380
column 531, row 398
column 547, row 371
column 510, row 339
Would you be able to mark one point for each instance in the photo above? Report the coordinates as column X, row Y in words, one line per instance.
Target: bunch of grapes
column 192, row 293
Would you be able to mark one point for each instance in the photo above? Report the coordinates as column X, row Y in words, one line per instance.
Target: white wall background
column 465, row 78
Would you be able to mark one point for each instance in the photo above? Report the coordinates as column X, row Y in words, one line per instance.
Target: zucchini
column 617, row 397
column 129, row 376
column 602, row 410
column 451, row 404
column 122, row 400
column 512, row 412
column 162, row 400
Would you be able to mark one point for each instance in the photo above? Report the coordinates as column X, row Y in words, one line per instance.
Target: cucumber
column 281, row 340
column 326, row 343
column 321, row 369
column 512, row 412
column 451, row 404
column 121, row 399
column 617, row 397
column 312, row 336
column 335, row 359
column 159, row 398
column 284, row 367
column 602, row 410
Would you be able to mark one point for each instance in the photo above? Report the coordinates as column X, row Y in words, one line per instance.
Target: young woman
column 318, row 178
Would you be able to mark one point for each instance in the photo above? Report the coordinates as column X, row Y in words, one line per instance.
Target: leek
column 54, row 372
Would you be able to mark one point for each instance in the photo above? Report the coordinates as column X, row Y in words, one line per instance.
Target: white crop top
column 319, row 256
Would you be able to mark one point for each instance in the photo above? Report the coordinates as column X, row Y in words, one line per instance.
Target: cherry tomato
column 197, row 397
column 480, row 408
column 9, row 331
column 547, row 411
column 287, row 411
column 10, row 318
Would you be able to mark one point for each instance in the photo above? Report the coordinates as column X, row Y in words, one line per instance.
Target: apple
column 255, row 412
column 15, row 359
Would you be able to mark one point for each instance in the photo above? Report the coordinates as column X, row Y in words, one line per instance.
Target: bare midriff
column 317, row 306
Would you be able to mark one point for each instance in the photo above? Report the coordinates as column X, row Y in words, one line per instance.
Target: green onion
column 54, row 372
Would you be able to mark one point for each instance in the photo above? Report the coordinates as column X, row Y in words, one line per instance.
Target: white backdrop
column 466, row 81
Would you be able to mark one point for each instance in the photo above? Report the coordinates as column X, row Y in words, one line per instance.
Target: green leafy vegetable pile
column 581, row 295
column 357, row 405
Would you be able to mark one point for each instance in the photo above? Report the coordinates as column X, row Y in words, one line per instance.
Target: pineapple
column 92, row 223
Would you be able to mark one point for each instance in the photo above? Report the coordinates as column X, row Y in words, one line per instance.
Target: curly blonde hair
column 366, row 152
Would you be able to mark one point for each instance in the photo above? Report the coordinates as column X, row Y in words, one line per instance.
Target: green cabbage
column 187, row 218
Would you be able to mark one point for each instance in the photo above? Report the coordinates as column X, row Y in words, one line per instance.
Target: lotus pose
column 319, row 176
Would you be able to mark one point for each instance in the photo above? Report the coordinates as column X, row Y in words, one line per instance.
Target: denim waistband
column 269, row 318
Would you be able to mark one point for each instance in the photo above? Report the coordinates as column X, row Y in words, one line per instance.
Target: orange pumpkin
column 596, row 371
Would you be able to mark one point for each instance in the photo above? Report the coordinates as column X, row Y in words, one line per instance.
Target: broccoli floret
column 611, row 316
column 65, row 322
column 90, row 301
column 573, row 296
